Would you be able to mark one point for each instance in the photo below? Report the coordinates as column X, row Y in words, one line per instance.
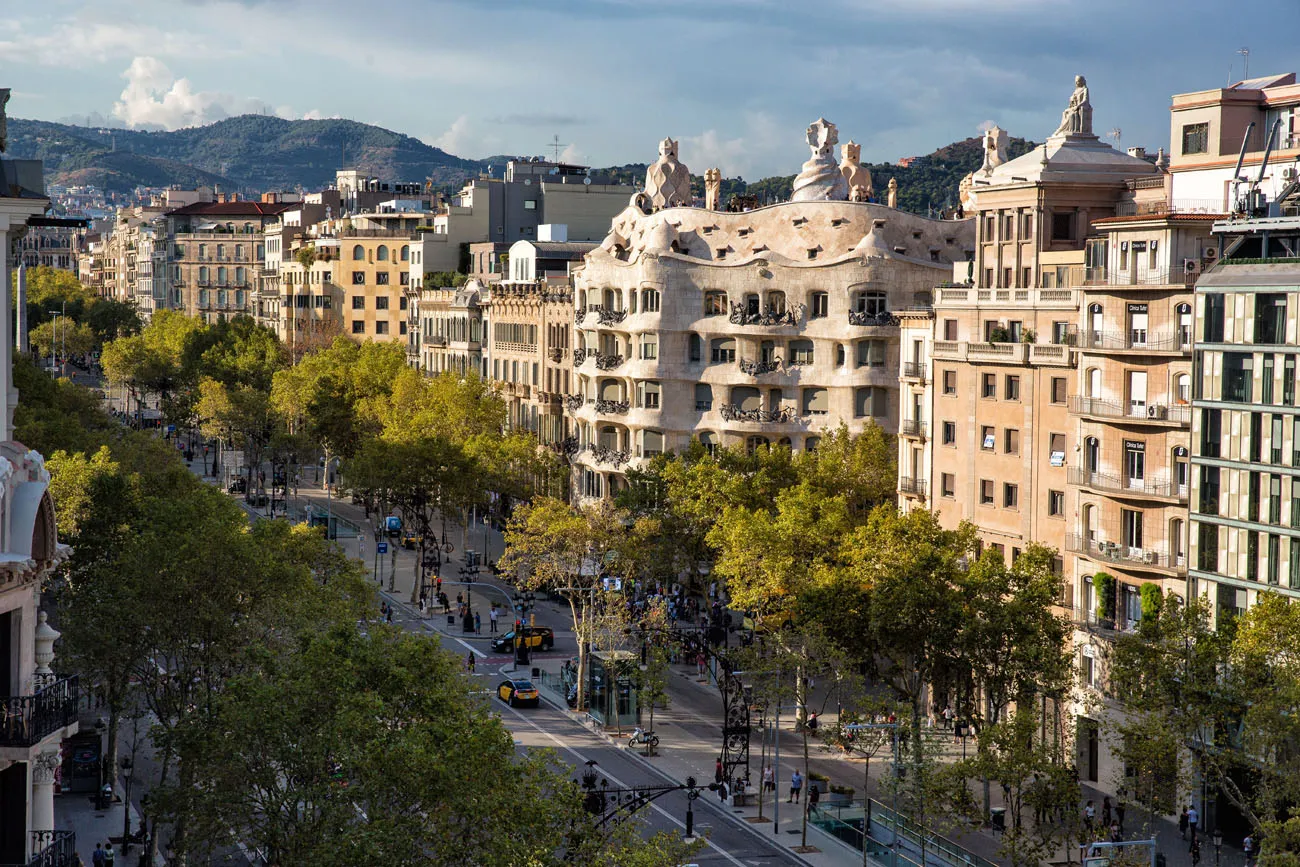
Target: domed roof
column 660, row 238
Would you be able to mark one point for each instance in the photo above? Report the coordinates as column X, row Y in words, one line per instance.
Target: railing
column 1134, row 487
column 611, row 407
column 607, row 362
column 574, row 402
column 1088, row 618
column 579, row 356
column 1165, row 342
column 606, row 316
column 998, row 353
column 27, row 719
column 740, row 315
column 908, row 485
column 878, row 320
column 732, row 412
column 911, row 427
column 759, row 368
column 1050, row 353
column 1165, row 206
column 436, row 340
column 606, row 455
column 1117, row 277
column 1152, row 412
column 51, row 849
column 914, row 370
column 1115, row 552
column 557, row 353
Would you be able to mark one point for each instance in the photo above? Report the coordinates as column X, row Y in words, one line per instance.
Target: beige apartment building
column 766, row 327
column 218, row 251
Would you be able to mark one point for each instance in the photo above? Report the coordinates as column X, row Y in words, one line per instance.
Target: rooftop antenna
column 1115, row 134
column 1245, row 52
column 556, row 146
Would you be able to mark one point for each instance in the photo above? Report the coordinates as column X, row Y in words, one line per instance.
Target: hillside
column 931, row 180
column 250, row 152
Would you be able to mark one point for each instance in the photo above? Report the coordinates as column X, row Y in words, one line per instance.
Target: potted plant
column 999, row 335
column 1103, row 584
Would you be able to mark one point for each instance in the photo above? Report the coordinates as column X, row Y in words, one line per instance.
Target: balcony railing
column 1099, row 625
column 911, row 427
column 607, row 362
column 742, row 315
column 916, row 487
column 612, row 407
column 1151, row 412
column 914, row 370
column 557, row 353
column 1136, row 340
column 579, row 356
column 51, row 849
column 883, row 319
column 1130, row 487
column 759, row 368
column 28, row 719
column 1116, row 552
column 606, row 455
column 607, row 316
column 1116, row 277
column 783, row 415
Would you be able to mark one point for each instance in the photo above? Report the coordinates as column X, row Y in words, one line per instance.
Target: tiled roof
column 232, row 209
column 1165, row 215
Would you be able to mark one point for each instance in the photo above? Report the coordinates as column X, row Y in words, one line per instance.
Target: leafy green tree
column 57, row 415
column 110, row 319
column 62, row 338
column 50, row 290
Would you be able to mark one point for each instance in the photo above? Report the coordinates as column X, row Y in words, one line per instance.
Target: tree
column 62, row 337
column 56, row 415
column 656, row 659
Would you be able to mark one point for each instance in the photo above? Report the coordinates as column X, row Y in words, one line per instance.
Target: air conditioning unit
column 1191, row 266
column 1210, row 254
column 1157, row 412
column 1149, row 557
column 1288, row 173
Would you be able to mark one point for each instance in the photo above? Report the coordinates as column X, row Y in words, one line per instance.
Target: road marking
column 616, row 781
column 474, row 650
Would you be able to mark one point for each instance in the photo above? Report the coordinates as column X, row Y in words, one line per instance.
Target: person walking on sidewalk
column 110, row 857
column 717, row 770
column 1193, row 819
column 469, row 662
column 769, row 780
column 492, row 618
column 478, row 623
column 97, row 857
column 796, row 787
column 814, row 796
column 1195, row 850
column 1182, row 823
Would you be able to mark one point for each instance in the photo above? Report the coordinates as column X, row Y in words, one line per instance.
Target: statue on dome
column 893, row 193
column 854, row 174
column 712, row 189
column 667, row 181
column 1077, row 117
column 821, row 180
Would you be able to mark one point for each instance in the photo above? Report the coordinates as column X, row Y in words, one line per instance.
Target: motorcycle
column 571, row 695
column 641, row 737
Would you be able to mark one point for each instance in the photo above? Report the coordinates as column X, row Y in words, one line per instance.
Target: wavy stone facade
column 768, row 326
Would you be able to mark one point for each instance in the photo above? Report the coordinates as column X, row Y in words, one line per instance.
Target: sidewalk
column 76, row 812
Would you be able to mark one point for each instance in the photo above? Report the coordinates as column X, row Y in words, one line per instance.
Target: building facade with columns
column 37, row 709
column 763, row 327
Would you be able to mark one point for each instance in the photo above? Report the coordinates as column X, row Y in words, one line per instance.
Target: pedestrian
column 722, row 791
column 812, row 723
column 389, row 617
column 1248, row 849
column 1195, row 850
column 492, row 618
column 460, row 598
column 814, row 795
column 109, row 855
column 1105, row 812
column 1115, row 836
column 947, row 716
column 1089, row 817
column 1119, row 815
column 717, row 770
column 97, row 857
column 769, row 779
column 478, row 624
column 1193, row 819
column 699, row 663
column 1182, row 823
column 796, row 786
column 469, row 661
column 438, row 586
column 423, row 602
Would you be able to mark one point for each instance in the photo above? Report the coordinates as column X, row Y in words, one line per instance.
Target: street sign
column 381, row 548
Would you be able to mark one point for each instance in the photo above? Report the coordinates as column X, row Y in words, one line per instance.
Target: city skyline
column 912, row 79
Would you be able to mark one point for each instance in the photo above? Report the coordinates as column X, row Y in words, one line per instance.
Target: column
column 7, row 392
column 44, row 769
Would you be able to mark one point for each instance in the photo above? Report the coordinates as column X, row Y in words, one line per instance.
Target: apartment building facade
column 217, row 254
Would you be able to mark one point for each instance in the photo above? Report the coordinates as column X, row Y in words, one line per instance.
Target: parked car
column 534, row 638
column 518, row 692
column 237, row 486
column 410, row 540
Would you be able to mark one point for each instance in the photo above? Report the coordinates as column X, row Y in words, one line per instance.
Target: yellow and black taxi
column 533, row 637
column 518, row 692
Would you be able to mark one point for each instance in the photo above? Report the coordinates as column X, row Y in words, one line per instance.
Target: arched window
column 709, row 440
column 703, row 397
column 1092, row 454
column 1089, row 523
column 406, row 253
column 1182, row 389
column 746, row 398
column 1094, row 382
column 650, row 301
column 1185, row 324
column 810, row 444
column 1094, row 325
column 358, row 253
column 754, row 443
column 696, row 348
column 1177, row 543
column 382, row 253
column 722, row 351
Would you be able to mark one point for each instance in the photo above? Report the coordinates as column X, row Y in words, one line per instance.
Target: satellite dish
column 586, row 182
column 527, row 182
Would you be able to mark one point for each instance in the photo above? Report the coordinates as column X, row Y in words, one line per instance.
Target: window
column 949, row 433
column 647, row 394
column 988, row 438
column 381, row 327
column 1063, row 227
column 406, row 253
column 1010, row 496
column 1209, row 491
column 816, row 401
column 358, row 278
column 1011, row 441
column 1011, row 389
column 715, row 303
column 358, row 327
column 870, row 303
column 1270, row 318
column 1214, row 317
column 1196, row 138
column 1212, row 432
column 1135, row 463
column 649, row 347
column 381, row 278
column 986, row 492
column 801, row 352
column 950, row 382
column 871, row 353
column 722, row 350
column 650, row 301
column 1238, row 376
column 1288, row 380
column 381, row 254
column 747, row 398
column 1058, row 389
column 950, row 329
column 947, row 485
column 401, row 303
column 358, row 253
column 381, row 303
column 358, row 302
column 819, row 305
column 990, row 385
column 695, row 348
column 1056, row 449
column 709, row 440
column 703, row 397
column 221, row 275
column 1056, row 504
column 870, row 402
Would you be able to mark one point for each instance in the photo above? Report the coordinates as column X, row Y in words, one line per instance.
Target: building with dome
column 768, row 326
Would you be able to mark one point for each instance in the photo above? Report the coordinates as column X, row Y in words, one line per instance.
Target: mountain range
column 252, row 153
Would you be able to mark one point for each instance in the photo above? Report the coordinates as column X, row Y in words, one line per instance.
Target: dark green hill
column 249, row 152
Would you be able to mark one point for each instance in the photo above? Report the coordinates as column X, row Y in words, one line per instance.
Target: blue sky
column 737, row 81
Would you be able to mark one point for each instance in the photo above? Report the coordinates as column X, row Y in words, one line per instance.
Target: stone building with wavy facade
column 769, row 326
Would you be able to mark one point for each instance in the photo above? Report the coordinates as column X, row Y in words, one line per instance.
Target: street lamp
column 1217, row 837
column 55, row 337
column 329, row 503
column 524, row 604
column 126, row 806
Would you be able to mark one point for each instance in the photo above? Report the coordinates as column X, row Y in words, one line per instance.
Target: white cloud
column 571, row 155
column 456, row 139
column 761, row 144
column 154, row 97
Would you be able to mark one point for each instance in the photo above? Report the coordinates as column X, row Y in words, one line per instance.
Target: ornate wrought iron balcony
column 784, row 415
column 606, row 455
column 911, row 427
column 908, row 485
column 605, row 316
column 574, row 402
column 741, row 315
column 611, row 407
column 759, row 368
column 51, row 849
column 914, row 370
column 557, row 353
column 579, row 356
column 607, row 362
column 567, row 446
column 882, row 320
column 28, row 719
